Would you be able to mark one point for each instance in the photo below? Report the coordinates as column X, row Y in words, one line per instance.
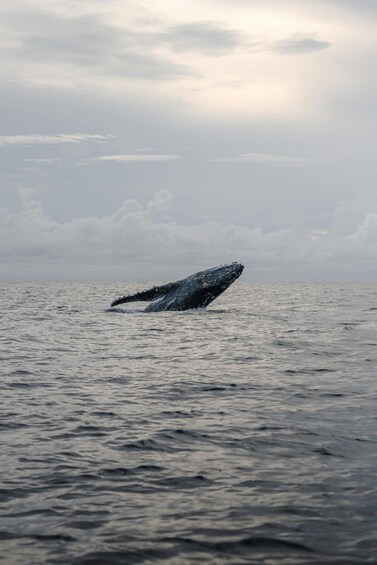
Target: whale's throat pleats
column 146, row 295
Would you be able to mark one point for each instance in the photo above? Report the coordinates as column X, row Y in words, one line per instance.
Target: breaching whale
column 196, row 291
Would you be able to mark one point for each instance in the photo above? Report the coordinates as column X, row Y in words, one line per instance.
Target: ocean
column 243, row 433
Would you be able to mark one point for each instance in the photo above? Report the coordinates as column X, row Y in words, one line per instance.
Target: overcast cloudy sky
column 148, row 139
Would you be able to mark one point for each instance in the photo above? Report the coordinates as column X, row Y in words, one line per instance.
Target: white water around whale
column 244, row 433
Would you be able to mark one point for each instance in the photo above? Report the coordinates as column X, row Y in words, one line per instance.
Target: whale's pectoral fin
column 145, row 295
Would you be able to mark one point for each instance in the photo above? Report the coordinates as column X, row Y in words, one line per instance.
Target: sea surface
column 244, row 433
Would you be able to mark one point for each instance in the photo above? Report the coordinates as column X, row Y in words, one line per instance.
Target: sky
column 144, row 140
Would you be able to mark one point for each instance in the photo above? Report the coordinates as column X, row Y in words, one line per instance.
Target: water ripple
column 241, row 434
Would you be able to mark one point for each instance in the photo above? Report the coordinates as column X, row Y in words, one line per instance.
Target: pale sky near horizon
column 147, row 140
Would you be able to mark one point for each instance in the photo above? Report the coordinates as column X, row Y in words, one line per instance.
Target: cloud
column 351, row 212
column 45, row 161
column 355, row 5
column 135, row 158
column 208, row 38
column 268, row 159
column 367, row 231
column 299, row 45
column 146, row 242
column 122, row 158
column 192, row 55
column 85, row 41
column 40, row 139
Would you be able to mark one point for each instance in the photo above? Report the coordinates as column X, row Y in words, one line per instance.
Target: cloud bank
column 144, row 242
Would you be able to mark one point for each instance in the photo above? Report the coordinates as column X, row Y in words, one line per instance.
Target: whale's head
column 207, row 285
column 221, row 276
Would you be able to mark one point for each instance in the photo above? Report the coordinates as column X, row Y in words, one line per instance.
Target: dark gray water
column 246, row 433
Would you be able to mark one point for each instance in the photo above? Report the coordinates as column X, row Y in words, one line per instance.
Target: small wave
column 180, row 413
column 117, row 310
column 238, row 546
column 35, row 512
column 119, row 557
column 116, row 472
column 285, row 344
column 4, row 536
column 148, row 468
column 184, row 482
column 19, row 385
column 90, row 430
column 186, row 433
column 308, row 371
column 12, row 425
column 146, row 445
column 325, row 451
